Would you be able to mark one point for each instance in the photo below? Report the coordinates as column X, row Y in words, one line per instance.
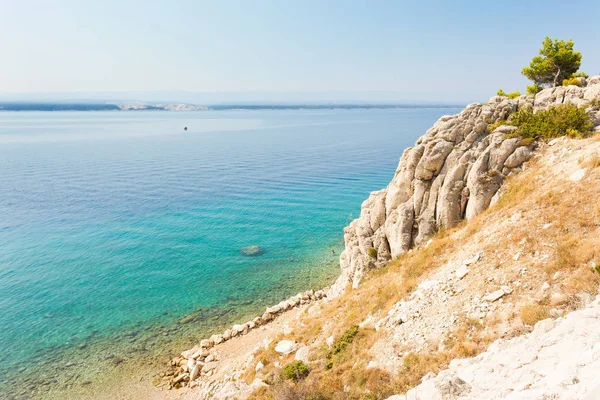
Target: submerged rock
column 252, row 251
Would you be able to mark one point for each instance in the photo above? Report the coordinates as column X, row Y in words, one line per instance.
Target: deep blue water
column 110, row 220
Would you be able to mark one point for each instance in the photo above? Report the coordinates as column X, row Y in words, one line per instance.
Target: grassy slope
column 541, row 195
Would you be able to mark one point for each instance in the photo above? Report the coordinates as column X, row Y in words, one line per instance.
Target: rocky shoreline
column 453, row 173
column 186, row 369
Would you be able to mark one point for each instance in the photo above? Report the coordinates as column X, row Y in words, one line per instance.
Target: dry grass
column 569, row 244
column 330, row 375
column 592, row 162
column 518, row 188
column 583, row 280
column 532, row 313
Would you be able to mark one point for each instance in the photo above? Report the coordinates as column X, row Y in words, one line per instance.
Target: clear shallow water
column 112, row 221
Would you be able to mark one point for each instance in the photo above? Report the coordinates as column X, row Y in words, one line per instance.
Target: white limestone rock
column 302, row 354
column 577, row 175
column 452, row 173
column 461, row 271
column 558, row 360
column 286, row 347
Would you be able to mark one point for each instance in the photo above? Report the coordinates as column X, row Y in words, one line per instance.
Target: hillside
column 478, row 237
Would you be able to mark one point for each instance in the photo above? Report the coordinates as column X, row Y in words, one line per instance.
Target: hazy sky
column 424, row 49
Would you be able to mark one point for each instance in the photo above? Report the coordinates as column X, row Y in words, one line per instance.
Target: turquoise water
column 112, row 221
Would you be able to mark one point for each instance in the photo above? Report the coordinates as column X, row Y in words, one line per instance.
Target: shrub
column 372, row 252
column 295, row 371
column 512, row 95
column 340, row 344
column 527, row 141
column 534, row 89
column 572, row 81
column 343, row 341
column 580, row 74
column 565, row 119
column 497, row 124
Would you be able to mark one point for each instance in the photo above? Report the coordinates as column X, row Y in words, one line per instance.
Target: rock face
column 452, row 173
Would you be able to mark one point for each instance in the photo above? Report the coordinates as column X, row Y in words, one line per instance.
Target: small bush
column 572, row 81
column 527, row 141
column 580, row 74
column 372, row 252
column 532, row 313
column 565, row 119
column 512, row 95
column 497, row 124
column 343, row 341
column 534, row 89
column 340, row 344
column 295, row 371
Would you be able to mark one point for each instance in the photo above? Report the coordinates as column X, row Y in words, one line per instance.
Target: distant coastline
column 49, row 106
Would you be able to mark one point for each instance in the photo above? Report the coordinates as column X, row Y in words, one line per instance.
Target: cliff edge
column 452, row 173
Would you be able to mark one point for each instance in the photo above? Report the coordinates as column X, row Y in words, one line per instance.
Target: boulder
column 216, row 339
column 286, row 347
column 195, row 372
column 267, row 316
column 200, row 354
column 302, row 354
column 237, row 330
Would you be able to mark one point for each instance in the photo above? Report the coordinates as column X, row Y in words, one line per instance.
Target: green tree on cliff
column 557, row 61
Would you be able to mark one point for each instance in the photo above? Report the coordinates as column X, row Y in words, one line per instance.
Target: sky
column 284, row 49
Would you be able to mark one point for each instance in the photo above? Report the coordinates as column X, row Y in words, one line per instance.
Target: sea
column 121, row 232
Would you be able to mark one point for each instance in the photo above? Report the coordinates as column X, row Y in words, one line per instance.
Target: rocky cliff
column 533, row 256
column 452, row 173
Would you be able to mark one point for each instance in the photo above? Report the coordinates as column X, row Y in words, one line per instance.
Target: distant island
column 77, row 106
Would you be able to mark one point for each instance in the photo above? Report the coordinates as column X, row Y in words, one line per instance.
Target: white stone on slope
column 577, row 175
column 559, row 360
column 462, row 271
column 302, row 354
column 286, row 347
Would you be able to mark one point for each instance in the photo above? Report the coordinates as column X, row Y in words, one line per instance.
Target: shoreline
column 108, row 366
column 200, row 361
